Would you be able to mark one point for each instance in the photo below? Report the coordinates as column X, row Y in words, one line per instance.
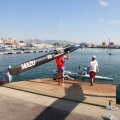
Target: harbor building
column 104, row 43
column 112, row 43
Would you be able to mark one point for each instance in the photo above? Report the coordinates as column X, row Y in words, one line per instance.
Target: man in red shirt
column 60, row 62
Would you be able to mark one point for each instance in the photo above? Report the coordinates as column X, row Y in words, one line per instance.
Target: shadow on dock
column 53, row 114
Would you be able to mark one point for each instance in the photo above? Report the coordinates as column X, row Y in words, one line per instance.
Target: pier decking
column 78, row 91
column 22, row 52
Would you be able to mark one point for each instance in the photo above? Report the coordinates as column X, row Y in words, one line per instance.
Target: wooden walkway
column 78, row 91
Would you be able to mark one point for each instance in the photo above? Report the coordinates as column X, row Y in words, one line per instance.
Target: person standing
column 60, row 62
column 92, row 69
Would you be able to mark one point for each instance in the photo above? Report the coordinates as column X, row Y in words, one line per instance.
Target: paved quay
column 39, row 99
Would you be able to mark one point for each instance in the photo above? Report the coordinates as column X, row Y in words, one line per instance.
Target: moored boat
column 78, row 76
column 97, row 77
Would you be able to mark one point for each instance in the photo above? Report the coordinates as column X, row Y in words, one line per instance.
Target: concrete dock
column 77, row 98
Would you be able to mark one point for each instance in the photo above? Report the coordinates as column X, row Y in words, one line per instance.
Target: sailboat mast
column 61, row 31
column 60, row 34
column 0, row 35
column 109, row 41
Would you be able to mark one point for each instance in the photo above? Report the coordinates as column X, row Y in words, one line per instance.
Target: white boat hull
column 83, row 76
column 97, row 77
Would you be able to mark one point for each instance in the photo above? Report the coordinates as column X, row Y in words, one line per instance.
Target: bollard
column 110, row 102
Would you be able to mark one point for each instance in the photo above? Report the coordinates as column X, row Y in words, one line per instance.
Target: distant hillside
column 52, row 41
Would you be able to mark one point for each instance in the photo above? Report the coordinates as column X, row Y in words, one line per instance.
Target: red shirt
column 60, row 61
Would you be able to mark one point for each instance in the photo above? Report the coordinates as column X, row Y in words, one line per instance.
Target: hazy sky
column 91, row 21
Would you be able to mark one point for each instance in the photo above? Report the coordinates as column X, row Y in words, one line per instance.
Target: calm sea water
column 109, row 65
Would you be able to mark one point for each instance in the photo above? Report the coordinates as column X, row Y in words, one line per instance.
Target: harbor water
column 108, row 64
